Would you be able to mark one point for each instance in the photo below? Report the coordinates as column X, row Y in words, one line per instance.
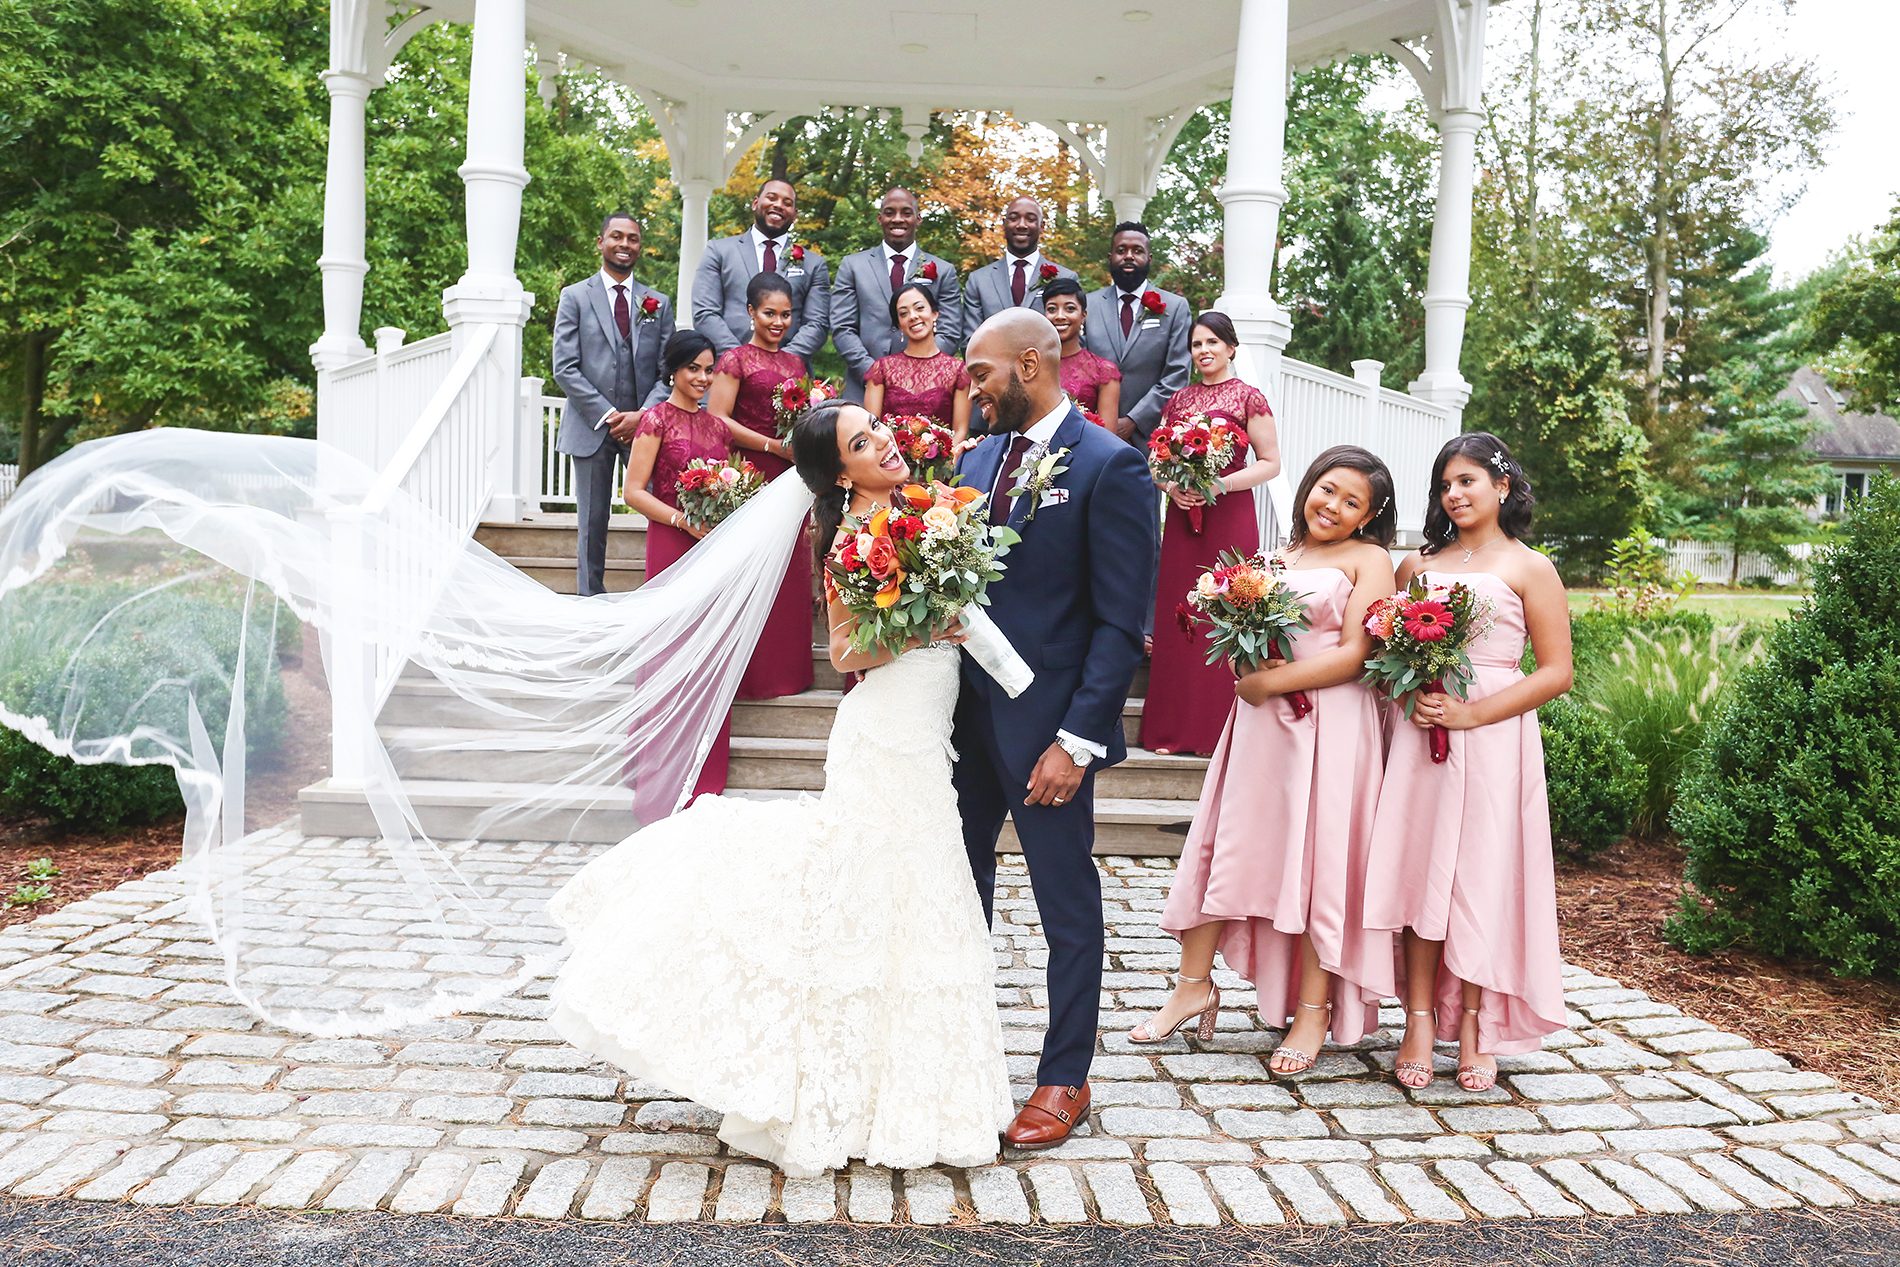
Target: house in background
column 1855, row 446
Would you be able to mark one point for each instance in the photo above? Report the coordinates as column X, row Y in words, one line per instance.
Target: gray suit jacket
column 719, row 295
column 987, row 293
column 861, row 327
column 1153, row 359
column 596, row 369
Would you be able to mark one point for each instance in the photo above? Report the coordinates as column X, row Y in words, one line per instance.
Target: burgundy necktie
column 1020, row 286
column 771, row 258
column 999, row 496
column 623, row 315
column 1128, row 314
column 897, row 272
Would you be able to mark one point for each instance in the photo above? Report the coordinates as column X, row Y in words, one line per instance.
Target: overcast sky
column 1855, row 41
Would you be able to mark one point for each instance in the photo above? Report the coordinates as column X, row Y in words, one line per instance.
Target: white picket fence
column 9, row 480
column 1710, row 563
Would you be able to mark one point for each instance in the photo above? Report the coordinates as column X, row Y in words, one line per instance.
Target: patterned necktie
column 770, row 263
column 897, row 271
column 623, row 315
column 999, row 496
column 1128, row 314
column 1020, row 286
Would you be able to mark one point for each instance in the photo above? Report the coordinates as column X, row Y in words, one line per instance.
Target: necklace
column 1475, row 549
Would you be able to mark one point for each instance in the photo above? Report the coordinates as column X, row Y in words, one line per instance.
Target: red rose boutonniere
column 649, row 309
column 1048, row 273
column 928, row 272
column 1154, row 303
column 798, row 253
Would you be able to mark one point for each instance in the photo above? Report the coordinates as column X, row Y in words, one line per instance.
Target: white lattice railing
column 1317, row 409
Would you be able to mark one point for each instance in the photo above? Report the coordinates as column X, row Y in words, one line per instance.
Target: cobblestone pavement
column 127, row 1074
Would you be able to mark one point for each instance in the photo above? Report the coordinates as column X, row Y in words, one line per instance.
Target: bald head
column 1015, row 367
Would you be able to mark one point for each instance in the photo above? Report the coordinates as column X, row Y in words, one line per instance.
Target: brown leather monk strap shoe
column 1044, row 1122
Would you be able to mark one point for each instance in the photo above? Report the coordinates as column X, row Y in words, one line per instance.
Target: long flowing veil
column 146, row 582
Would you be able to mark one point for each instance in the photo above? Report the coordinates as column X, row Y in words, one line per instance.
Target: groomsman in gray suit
column 1143, row 330
column 1016, row 280
column 729, row 264
column 608, row 333
column 861, row 327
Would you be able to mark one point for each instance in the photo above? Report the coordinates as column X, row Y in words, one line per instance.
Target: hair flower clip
column 1500, row 461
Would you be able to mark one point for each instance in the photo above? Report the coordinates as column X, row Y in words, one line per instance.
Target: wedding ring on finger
column 1058, row 800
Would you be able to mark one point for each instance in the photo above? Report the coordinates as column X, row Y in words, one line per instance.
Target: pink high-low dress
column 1461, row 851
column 1278, row 845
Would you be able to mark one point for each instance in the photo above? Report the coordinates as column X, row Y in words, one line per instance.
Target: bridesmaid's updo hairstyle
column 763, row 284
column 1491, row 453
column 1064, row 286
column 930, row 297
column 1220, row 325
column 1381, row 527
column 815, row 454
column 682, row 350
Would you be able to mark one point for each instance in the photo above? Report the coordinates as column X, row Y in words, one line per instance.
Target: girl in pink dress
column 1274, row 868
column 1187, row 697
column 1093, row 382
column 1460, row 856
column 743, row 382
column 671, row 435
column 922, row 381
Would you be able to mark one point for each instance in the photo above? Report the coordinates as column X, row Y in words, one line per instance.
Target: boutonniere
column 1154, row 303
column 798, row 253
column 649, row 309
column 1033, row 478
column 929, row 271
column 1046, row 274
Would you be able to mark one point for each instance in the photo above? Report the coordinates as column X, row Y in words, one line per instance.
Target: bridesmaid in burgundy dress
column 742, row 386
column 671, row 435
column 1091, row 381
column 1188, row 699
column 922, row 381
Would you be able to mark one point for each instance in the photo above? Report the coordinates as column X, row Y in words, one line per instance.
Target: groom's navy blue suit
column 1071, row 604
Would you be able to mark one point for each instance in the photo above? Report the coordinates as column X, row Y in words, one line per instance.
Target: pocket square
column 1053, row 497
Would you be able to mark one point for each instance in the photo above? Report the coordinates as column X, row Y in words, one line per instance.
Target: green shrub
column 1595, row 786
column 1596, row 635
column 76, row 796
column 1657, row 692
column 1791, row 811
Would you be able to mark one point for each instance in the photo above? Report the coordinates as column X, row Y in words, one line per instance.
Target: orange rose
column 917, row 495
column 883, row 558
column 887, row 596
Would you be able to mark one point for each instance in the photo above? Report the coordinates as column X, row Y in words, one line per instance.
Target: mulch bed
column 1611, row 911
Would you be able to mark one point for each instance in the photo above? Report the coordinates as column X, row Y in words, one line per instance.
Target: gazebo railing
column 555, row 468
column 367, row 404
column 1318, row 408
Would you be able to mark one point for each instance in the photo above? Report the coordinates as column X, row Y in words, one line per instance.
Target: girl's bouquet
column 794, row 396
column 916, row 570
column 1425, row 635
column 1251, row 610
column 709, row 491
column 1192, row 452
column 925, row 443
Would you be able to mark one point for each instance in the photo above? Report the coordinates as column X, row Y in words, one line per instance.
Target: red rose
column 1049, row 273
column 798, row 253
column 883, row 557
column 848, row 553
column 650, row 305
column 929, row 271
column 907, row 528
column 1153, row 302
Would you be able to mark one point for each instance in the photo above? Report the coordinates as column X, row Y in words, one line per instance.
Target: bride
column 817, row 970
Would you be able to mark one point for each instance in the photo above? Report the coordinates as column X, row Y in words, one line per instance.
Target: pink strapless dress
column 1278, row 845
column 1461, row 851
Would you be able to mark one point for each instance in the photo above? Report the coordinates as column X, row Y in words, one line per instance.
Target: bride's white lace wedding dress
column 817, row 970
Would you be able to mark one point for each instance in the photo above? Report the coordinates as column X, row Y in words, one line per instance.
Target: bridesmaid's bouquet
column 1192, row 452
column 925, row 443
column 1425, row 635
column 709, row 491
column 917, row 569
column 794, row 396
column 1251, row 611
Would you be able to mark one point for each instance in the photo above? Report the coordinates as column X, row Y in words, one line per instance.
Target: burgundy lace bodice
column 1234, row 400
column 759, row 372
column 1083, row 375
column 684, row 437
column 925, row 387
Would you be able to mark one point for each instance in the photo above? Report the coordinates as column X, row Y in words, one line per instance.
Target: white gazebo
column 449, row 418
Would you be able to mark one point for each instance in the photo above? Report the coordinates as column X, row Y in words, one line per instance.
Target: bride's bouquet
column 1425, row 635
column 915, row 570
column 709, row 491
column 794, row 396
column 1251, row 611
column 925, row 443
column 1192, row 452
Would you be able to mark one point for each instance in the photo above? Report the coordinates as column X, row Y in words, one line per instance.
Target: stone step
column 808, row 715
column 450, row 810
column 800, row 764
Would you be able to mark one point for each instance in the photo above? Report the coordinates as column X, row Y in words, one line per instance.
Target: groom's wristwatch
column 1077, row 753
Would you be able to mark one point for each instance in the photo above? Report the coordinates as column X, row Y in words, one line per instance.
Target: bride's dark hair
column 815, row 454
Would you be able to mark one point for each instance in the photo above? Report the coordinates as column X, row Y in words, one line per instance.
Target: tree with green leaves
column 1756, row 478
column 1855, row 323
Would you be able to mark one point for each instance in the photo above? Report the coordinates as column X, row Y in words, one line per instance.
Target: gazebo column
column 1255, row 190
column 494, row 175
column 695, row 205
column 342, row 263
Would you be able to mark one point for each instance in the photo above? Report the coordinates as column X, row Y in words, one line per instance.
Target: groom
column 1071, row 604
